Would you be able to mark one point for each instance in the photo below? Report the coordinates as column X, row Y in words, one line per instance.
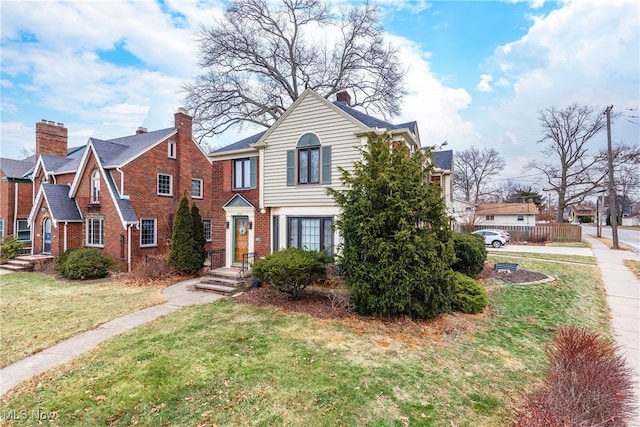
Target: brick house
column 119, row 195
column 273, row 184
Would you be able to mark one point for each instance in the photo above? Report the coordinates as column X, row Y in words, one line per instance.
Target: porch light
column 227, row 225
column 250, row 225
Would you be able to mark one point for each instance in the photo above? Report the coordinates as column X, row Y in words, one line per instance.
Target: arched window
column 308, row 159
column 95, row 187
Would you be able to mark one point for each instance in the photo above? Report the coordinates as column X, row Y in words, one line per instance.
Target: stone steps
column 225, row 281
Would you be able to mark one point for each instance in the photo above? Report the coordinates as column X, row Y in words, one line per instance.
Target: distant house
column 16, row 193
column 117, row 195
column 499, row 214
column 582, row 213
column 273, row 191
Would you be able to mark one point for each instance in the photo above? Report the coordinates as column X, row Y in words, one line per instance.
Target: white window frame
column 520, row 217
column 170, row 193
column 244, row 166
column 23, row 230
column 155, row 233
column 88, row 227
column 197, row 196
column 95, row 187
column 208, row 232
column 171, row 149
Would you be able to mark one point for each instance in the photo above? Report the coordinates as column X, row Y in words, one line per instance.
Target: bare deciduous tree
column 577, row 169
column 257, row 59
column 473, row 167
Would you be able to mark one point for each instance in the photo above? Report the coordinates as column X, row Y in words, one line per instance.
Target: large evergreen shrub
column 198, row 234
column 10, row 247
column 397, row 247
column 183, row 255
column 85, row 264
column 291, row 270
column 471, row 253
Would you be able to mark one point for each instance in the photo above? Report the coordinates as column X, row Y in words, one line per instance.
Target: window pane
column 237, row 179
column 148, row 232
column 310, row 234
column 196, row 188
column 246, row 174
column 327, row 238
column 22, row 231
column 164, row 184
column 303, row 167
column 293, row 232
column 314, row 165
column 207, row 228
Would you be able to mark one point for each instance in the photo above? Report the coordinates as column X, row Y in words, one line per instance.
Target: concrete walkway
column 177, row 296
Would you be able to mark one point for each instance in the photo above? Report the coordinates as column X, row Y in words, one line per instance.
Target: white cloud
column 485, row 83
column 430, row 102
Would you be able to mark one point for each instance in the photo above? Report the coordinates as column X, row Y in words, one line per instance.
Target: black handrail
column 247, row 260
column 216, row 258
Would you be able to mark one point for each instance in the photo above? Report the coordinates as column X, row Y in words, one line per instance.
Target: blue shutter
column 252, row 171
column 326, row 164
column 290, row 167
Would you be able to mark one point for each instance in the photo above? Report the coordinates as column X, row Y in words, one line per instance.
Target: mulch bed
column 321, row 307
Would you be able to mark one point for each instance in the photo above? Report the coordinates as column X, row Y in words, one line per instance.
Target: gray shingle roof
column 15, row 168
column 124, row 205
column 117, row 151
column 443, row 159
column 242, row 144
column 62, row 208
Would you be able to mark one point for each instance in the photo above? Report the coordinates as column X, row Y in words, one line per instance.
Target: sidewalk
column 177, row 296
column 623, row 297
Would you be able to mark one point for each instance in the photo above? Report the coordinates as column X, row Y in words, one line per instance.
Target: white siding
column 507, row 219
column 311, row 115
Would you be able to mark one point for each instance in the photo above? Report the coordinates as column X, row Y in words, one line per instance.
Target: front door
column 46, row 243
column 241, row 237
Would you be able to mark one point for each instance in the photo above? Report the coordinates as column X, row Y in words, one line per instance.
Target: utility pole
column 613, row 210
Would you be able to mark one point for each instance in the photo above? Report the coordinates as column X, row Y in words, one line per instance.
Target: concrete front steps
column 26, row 263
column 225, row 281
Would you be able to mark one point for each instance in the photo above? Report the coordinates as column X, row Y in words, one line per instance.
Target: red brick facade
column 137, row 181
column 12, row 194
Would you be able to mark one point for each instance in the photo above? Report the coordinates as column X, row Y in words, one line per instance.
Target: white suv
column 492, row 237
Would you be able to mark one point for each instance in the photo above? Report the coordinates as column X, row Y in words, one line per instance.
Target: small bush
column 586, row 384
column 10, row 247
column 84, row 264
column 469, row 296
column 471, row 253
column 291, row 270
column 153, row 267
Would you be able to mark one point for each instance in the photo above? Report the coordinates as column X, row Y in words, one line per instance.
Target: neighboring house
column 463, row 212
column 443, row 175
column 274, row 184
column 16, row 194
column 582, row 213
column 498, row 214
column 631, row 221
column 119, row 195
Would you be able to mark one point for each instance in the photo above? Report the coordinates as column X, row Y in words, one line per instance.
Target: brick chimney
column 51, row 138
column 343, row 96
column 183, row 123
column 141, row 130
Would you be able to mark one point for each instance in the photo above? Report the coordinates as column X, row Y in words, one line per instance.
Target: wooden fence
column 537, row 234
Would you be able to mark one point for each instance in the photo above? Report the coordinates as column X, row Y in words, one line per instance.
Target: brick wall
column 8, row 199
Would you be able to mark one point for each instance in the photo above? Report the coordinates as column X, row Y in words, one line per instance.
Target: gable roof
column 507, row 209
column 118, row 151
column 364, row 120
column 61, row 207
column 16, row 169
column 124, row 206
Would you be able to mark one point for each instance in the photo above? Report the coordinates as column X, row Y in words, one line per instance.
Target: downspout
column 64, row 246
column 261, row 179
column 121, row 181
column 129, row 248
column 15, row 207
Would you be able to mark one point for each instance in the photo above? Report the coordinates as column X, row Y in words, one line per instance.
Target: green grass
column 38, row 311
column 550, row 257
column 569, row 244
column 230, row 364
column 633, row 265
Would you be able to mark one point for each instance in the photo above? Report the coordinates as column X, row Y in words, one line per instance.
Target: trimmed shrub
column 292, row 269
column 85, row 264
column 471, row 254
column 63, row 258
column 586, row 384
column 468, row 296
column 10, row 247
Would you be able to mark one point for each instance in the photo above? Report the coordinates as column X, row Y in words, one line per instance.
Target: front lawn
column 38, row 311
column 235, row 364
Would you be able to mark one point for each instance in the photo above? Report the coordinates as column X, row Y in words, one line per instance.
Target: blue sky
column 478, row 71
